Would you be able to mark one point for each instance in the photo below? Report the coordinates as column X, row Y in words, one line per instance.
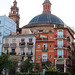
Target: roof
column 47, row 1
column 46, row 18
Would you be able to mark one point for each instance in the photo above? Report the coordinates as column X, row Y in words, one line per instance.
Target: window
column 38, row 46
column 44, row 57
column 60, row 53
column 43, row 64
column 38, row 57
column 5, row 50
column 50, row 56
column 22, row 40
column 40, row 31
column 30, row 39
column 13, row 50
column 50, row 46
column 13, row 40
column 44, row 46
column 50, row 36
column 22, row 50
column 60, row 33
column 60, row 43
column 29, row 50
column 6, row 41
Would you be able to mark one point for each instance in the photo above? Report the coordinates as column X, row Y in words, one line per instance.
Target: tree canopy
column 27, row 66
column 5, row 63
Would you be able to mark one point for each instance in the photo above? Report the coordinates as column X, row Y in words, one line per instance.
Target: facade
column 6, row 27
column 14, row 15
column 20, row 47
column 44, row 48
column 62, row 38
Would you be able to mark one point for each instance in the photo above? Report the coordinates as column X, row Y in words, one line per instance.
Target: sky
column 64, row 9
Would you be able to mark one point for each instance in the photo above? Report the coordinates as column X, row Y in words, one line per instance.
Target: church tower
column 14, row 14
column 47, row 6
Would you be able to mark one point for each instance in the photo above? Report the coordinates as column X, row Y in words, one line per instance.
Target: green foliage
column 28, row 74
column 56, row 73
column 5, row 63
column 48, row 63
column 26, row 66
column 37, row 67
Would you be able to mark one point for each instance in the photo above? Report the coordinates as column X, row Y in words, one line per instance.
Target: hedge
column 56, row 73
column 28, row 74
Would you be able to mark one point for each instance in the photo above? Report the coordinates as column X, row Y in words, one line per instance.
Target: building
column 14, row 15
column 51, row 31
column 6, row 27
column 44, row 48
column 20, row 47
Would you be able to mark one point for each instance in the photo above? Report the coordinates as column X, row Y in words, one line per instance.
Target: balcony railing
column 69, row 57
column 39, row 38
column 23, row 54
column 42, row 39
column 30, row 44
column 22, row 44
column 12, row 53
column 45, row 49
column 60, row 36
column 69, row 48
column 6, row 45
column 68, row 38
column 45, row 38
column 60, row 56
column 29, row 54
column 60, row 46
column 13, row 45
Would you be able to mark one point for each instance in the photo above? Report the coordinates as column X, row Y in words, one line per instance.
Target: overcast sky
column 64, row 9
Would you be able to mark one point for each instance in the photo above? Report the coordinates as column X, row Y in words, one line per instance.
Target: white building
column 6, row 27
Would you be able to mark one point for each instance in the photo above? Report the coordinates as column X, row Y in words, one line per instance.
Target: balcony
column 59, row 36
column 45, row 39
column 68, row 38
column 22, row 54
column 12, row 53
column 13, row 45
column 69, row 48
column 22, row 45
column 60, row 46
column 30, row 44
column 44, row 49
column 6, row 45
column 39, row 38
column 29, row 54
column 73, row 44
column 60, row 56
column 69, row 57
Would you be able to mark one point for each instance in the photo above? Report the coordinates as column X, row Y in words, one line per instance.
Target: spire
column 15, row 3
column 14, row 14
column 47, row 6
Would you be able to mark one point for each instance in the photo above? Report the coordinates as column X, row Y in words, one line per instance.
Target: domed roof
column 46, row 18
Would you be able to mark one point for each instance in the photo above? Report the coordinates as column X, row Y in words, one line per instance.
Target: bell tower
column 47, row 6
column 14, row 14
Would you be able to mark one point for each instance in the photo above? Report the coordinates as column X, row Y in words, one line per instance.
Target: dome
column 46, row 18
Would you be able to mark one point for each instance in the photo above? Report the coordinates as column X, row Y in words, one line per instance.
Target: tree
column 5, row 63
column 27, row 66
column 49, row 66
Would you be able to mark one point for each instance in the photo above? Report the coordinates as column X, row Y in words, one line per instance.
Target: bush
column 28, row 74
column 56, row 73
